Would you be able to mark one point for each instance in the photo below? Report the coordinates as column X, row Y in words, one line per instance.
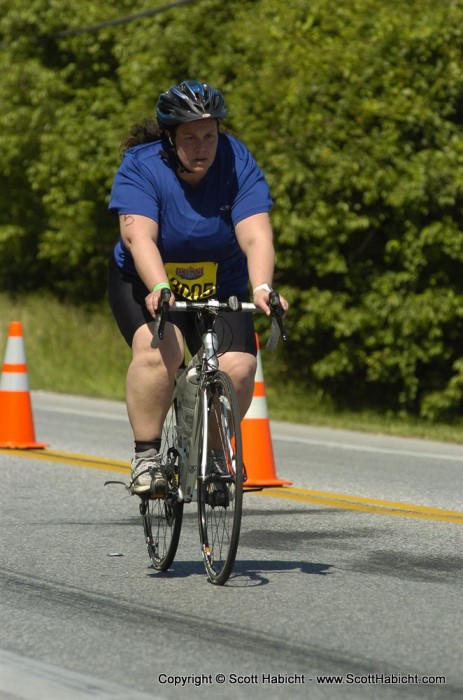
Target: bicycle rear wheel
column 162, row 517
column 219, row 525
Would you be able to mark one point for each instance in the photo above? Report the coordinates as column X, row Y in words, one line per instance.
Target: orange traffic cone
column 257, row 440
column 16, row 422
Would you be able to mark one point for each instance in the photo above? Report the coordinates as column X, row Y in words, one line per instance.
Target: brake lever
column 277, row 328
column 161, row 318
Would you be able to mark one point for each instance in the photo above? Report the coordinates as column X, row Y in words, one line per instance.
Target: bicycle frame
column 207, row 362
column 205, row 454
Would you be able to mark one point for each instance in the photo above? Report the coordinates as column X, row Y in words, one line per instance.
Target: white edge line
column 364, row 448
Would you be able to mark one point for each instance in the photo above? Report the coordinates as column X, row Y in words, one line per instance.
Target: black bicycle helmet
column 190, row 101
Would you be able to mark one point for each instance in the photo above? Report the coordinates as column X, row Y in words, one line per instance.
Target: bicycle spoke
column 219, row 525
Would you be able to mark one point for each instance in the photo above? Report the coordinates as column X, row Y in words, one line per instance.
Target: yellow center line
column 364, row 505
column 78, row 460
column 323, row 498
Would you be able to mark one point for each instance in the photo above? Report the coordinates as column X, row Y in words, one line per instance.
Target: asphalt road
column 354, row 571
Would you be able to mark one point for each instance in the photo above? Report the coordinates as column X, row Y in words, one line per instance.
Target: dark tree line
column 354, row 110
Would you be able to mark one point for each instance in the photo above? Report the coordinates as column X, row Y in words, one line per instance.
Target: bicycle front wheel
column 162, row 517
column 220, row 494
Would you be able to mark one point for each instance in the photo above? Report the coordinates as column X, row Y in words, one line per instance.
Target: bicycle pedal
column 157, row 496
column 157, row 492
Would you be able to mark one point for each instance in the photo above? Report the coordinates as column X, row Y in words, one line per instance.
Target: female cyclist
column 193, row 210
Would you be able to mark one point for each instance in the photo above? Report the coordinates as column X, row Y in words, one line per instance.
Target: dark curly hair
column 143, row 132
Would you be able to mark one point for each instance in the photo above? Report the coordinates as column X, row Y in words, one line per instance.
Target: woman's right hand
column 153, row 300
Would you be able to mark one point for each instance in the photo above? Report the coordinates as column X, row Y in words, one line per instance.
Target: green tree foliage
column 354, row 110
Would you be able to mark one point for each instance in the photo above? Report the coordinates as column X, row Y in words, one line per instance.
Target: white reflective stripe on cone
column 15, row 353
column 258, row 408
column 14, row 381
column 259, row 371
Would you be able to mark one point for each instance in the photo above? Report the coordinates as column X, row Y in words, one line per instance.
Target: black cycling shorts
column 126, row 295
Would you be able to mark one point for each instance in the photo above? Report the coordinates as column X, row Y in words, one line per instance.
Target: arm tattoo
column 128, row 220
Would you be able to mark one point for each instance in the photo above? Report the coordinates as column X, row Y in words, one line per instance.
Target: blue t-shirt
column 195, row 223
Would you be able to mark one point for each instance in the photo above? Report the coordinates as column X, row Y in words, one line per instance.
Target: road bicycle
column 203, row 422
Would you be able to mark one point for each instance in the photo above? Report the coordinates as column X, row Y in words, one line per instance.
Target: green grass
column 79, row 350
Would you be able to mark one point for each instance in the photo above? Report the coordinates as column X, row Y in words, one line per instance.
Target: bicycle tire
column 162, row 517
column 219, row 525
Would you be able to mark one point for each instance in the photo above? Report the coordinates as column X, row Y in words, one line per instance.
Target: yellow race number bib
column 192, row 280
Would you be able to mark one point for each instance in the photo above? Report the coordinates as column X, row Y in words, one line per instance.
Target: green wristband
column 161, row 285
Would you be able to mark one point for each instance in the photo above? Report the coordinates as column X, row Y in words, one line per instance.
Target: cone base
column 25, row 446
column 267, row 483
